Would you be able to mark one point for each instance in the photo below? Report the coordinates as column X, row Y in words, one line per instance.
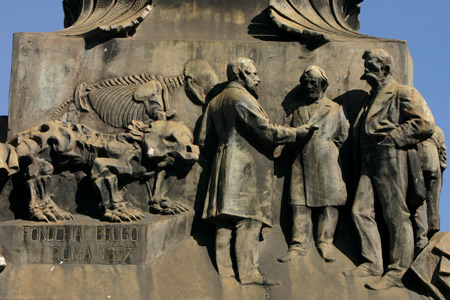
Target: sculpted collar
column 388, row 87
column 235, row 84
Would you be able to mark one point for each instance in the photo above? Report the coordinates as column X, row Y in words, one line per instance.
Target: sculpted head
column 243, row 71
column 166, row 143
column 314, row 82
column 200, row 80
column 377, row 66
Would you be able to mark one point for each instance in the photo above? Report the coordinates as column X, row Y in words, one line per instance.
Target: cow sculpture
column 142, row 152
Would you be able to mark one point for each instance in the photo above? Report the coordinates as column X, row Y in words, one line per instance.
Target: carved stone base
column 89, row 241
column 185, row 272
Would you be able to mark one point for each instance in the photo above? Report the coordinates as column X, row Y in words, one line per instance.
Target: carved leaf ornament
column 319, row 20
column 92, row 18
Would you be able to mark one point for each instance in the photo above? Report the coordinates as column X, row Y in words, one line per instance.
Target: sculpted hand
column 305, row 130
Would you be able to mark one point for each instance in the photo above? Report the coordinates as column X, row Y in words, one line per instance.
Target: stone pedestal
column 163, row 257
column 74, row 259
column 186, row 272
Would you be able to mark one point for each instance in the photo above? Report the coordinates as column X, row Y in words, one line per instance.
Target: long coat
column 241, row 181
column 317, row 177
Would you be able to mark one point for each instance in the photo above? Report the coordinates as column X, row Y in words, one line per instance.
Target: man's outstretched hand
column 305, row 131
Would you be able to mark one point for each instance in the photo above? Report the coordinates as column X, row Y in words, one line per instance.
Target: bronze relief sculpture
column 162, row 172
column 393, row 122
column 317, row 163
column 143, row 151
column 237, row 123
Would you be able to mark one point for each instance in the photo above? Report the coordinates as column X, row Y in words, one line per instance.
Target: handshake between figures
column 305, row 131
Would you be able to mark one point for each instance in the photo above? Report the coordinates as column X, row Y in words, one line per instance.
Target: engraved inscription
column 66, row 254
column 52, row 233
column 100, row 244
column 118, row 233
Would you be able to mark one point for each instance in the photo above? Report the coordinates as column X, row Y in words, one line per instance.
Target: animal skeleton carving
column 144, row 151
column 142, row 97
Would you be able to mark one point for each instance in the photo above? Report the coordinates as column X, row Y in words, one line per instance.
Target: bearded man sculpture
column 237, row 199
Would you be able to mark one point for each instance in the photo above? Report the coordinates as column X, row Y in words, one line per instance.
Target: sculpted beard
column 311, row 94
column 253, row 91
column 252, row 87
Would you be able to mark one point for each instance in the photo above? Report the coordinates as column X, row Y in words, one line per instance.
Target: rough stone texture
column 432, row 266
column 112, row 161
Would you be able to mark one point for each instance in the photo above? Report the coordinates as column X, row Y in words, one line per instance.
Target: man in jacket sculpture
column 316, row 176
column 395, row 119
column 239, row 197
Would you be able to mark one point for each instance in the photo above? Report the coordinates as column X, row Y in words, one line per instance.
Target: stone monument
column 176, row 149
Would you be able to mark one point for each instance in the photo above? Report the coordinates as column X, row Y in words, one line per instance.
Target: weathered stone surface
column 91, row 242
column 34, row 94
column 432, row 266
column 53, row 78
column 100, row 19
column 59, row 64
column 315, row 20
column 307, row 278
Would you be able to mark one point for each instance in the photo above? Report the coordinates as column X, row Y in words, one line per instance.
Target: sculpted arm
column 343, row 129
column 419, row 124
column 256, row 120
column 207, row 136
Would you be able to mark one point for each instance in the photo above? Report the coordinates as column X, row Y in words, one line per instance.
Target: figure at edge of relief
column 316, row 176
column 237, row 127
column 392, row 123
column 433, row 157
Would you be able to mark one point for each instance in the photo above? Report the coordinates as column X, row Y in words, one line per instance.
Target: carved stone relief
column 143, row 97
column 103, row 18
column 395, row 119
column 245, row 173
column 317, row 20
column 317, row 162
column 145, row 151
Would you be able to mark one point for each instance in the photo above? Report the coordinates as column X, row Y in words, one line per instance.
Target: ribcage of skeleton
column 116, row 107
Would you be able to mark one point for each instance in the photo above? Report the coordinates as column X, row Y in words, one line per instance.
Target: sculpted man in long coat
column 239, row 198
column 316, row 177
column 395, row 119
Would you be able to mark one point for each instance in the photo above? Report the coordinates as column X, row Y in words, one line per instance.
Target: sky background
column 425, row 26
